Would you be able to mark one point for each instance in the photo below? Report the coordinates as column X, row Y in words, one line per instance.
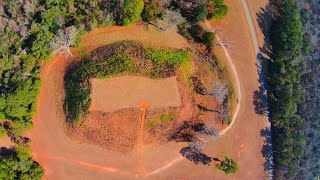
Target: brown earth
column 63, row 158
column 112, row 94
column 243, row 142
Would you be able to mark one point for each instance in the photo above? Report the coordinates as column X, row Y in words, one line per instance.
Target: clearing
column 112, row 94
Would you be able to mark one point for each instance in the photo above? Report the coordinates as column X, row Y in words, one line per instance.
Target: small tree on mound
column 207, row 38
column 228, row 165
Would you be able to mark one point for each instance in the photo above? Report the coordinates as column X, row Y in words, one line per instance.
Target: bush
column 151, row 12
column 228, row 166
column 131, row 12
column 200, row 14
column 207, row 38
column 217, row 9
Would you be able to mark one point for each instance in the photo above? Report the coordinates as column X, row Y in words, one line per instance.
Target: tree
column 228, row 165
column 207, row 38
column 151, row 12
column 200, row 14
column 217, row 9
column 63, row 40
column 19, row 166
column 132, row 10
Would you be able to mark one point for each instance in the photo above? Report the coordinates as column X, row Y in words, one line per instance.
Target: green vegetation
column 31, row 30
column 161, row 118
column 132, row 10
column 164, row 58
column 78, row 96
column 217, row 9
column 200, row 14
column 228, row 166
column 2, row 131
column 151, row 12
column 117, row 58
column 207, row 38
column 167, row 57
column 285, row 89
column 19, row 165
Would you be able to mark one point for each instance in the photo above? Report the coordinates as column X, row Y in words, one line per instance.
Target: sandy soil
column 111, row 94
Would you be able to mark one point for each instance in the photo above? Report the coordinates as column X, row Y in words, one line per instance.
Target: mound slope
column 111, row 94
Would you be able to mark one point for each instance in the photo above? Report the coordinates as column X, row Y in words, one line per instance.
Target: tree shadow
column 197, row 134
column 7, row 151
column 267, row 149
column 265, row 17
column 193, row 154
column 189, row 132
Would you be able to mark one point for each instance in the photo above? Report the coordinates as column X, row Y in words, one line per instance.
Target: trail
column 234, row 117
column 261, row 74
column 140, row 168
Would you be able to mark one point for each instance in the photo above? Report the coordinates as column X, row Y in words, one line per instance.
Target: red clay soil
column 112, row 94
column 243, row 142
column 63, row 158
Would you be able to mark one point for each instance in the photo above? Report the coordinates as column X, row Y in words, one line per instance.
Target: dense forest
column 285, row 89
column 310, row 105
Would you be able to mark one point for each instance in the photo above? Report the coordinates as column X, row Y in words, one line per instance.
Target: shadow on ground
column 265, row 18
column 197, row 134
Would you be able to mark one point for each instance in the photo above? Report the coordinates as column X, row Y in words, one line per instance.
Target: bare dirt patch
column 111, row 94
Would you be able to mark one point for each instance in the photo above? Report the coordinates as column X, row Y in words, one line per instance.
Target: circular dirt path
column 63, row 158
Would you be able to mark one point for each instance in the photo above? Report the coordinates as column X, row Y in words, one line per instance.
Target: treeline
column 31, row 29
column 285, row 90
column 309, row 107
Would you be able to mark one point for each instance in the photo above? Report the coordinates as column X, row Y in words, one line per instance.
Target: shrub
column 151, row 12
column 207, row 38
column 200, row 14
column 228, row 166
column 217, row 9
column 131, row 12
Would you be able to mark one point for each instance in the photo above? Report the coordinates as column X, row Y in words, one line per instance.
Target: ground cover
column 123, row 57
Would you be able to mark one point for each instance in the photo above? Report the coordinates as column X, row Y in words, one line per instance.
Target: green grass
column 186, row 71
column 166, row 57
column 161, row 118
